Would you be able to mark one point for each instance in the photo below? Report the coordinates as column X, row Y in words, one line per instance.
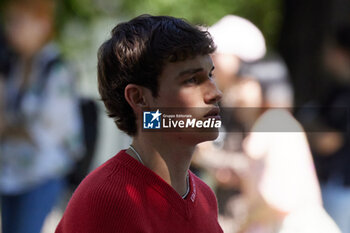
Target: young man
column 151, row 62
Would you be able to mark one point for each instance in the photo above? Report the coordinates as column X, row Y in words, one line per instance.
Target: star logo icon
column 151, row 120
column 156, row 115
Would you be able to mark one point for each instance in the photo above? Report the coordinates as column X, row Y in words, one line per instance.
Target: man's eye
column 192, row 80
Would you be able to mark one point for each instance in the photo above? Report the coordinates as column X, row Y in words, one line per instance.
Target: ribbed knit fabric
column 122, row 195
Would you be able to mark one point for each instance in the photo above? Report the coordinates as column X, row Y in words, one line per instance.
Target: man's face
column 189, row 86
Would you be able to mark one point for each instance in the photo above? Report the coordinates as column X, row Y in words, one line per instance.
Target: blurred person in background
column 41, row 136
column 280, row 184
column 272, row 74
column 264, row 199
column 238, row 42
column 331, row 146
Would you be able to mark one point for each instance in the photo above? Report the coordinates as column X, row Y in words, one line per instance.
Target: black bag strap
column 44, row 74
column 39, row 86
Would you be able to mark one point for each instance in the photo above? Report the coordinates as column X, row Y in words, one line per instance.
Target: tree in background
column 266, row 14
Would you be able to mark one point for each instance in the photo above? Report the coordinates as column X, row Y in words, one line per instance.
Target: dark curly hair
column 137, row 52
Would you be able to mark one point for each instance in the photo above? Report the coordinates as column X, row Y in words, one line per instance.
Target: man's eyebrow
column 190, row 71
column 193, row 71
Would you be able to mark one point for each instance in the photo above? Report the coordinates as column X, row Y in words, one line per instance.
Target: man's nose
column 212, row 93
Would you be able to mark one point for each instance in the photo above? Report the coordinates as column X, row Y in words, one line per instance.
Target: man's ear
column 134, row 95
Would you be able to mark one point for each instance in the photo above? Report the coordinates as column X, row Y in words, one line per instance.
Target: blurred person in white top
column 279, row 189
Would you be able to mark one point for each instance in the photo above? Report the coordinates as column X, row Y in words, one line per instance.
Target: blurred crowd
column 274, row 168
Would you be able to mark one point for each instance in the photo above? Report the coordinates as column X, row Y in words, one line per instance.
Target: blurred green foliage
column 266, row 14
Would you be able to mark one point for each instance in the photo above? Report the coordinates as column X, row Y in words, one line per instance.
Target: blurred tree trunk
column 303, row 30
column 306, row 25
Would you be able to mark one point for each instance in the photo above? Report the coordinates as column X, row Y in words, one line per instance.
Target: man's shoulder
column 107, row 169
column 101, row 202
column 101, row 196
column 103, row 180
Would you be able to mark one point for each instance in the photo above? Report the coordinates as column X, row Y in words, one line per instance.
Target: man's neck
column 168, row 160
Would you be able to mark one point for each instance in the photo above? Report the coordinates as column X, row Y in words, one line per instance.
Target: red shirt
column 122, row 195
